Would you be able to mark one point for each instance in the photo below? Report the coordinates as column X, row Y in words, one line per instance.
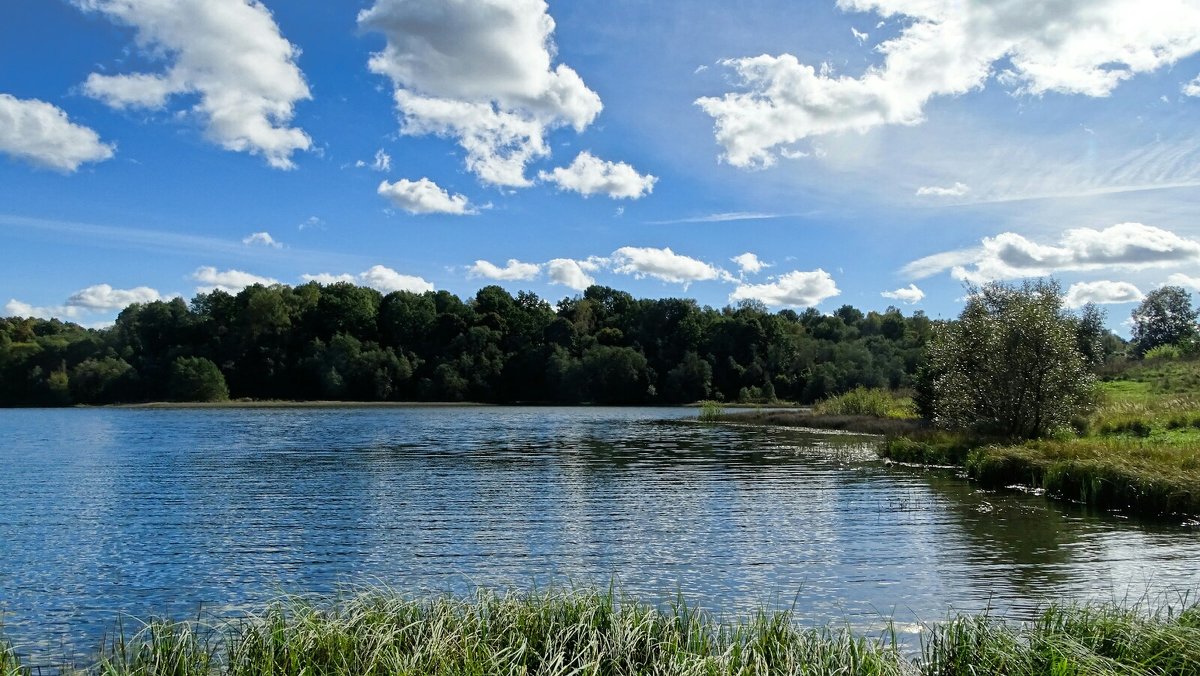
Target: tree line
column 346, row 342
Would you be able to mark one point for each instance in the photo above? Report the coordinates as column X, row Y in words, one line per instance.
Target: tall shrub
column 1010, row 366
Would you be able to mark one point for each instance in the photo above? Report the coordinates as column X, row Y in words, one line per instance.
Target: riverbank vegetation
column 1020, row 392
column 604, row 633
column 351, row 343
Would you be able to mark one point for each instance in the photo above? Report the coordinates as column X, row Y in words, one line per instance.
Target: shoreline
column 607, row 632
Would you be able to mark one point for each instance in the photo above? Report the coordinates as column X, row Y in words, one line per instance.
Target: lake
column 167, row 511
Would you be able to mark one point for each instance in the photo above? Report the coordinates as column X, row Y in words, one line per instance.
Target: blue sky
column 859, row 147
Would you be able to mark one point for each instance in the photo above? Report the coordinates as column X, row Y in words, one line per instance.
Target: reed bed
column 601, row 634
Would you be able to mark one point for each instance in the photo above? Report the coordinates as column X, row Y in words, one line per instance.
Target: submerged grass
column 598, row 634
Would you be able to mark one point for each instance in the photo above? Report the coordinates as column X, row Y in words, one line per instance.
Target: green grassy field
column 1138, row 452
column 595, row 633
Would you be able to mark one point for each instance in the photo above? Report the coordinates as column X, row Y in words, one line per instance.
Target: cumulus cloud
column 662, row 264
column 382, row 162
column 104, row 297
column 326, row 278
column 229, row 281
column 1192, row 88
column 378, row 277
column 749, row 263
column 860, row 36
column 93, row 299
column 589, row 175
column 41, row 134
column 515, row 270
column 909, row 294
column 424, row 197
column 230, row 55
column 947, row 48
column 482, row 73
column 956, row 190
column 794, row 289
column 262, row 239
column 1130, row 246
column 1187, row 281
column 1101, row 292
column 16, row 308
column 571, row 273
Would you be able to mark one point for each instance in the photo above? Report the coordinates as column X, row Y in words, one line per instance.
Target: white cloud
column 41, row 134
column 16, row 308
column 311, row 222
column 379, row 277
column 749, row 263
column 382, row 162
column 948, row 48
column 720, row 218
column 589, row 175
column 1192, row 88
column 1101, row 292
column 325, row 278
column 662, row 264
column 388, row 280
column 104, row 297
column 571, row 273
column 956, row 190
column 229, row 281
column 1180, row 279
column 262, row 239
column 424, row 197
column 794, row 289
column 1130, row 246
column 230, row 54
column 861, row 37
column 514, row 271
column 909, row 294
column 480, row 71
column 93, row 299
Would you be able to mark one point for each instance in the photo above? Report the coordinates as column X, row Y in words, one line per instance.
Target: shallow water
column 165, row 512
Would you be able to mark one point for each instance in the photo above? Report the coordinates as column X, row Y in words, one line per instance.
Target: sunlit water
column 165, row 512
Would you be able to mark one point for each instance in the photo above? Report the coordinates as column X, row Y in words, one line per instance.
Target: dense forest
column 345, row 342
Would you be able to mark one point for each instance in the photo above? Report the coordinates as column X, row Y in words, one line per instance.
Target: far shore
column 285, row 403
column 282, row 403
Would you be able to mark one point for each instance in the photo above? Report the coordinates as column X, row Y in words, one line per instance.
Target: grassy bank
column 1138, row 452
column 599, row 633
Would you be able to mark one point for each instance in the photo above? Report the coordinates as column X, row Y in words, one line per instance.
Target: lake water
column 162, row 512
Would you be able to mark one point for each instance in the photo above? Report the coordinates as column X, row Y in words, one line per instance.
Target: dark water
column 160, row 512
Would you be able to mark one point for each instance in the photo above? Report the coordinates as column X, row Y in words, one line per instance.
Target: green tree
column 1165, row 317
column 690, row 381
column 102, row 381
column 197, row 379
column 1011, row 364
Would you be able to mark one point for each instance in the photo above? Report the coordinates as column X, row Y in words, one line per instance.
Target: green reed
column 602, row 633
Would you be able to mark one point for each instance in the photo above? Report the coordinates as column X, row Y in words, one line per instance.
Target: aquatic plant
column 603, row 633
column 876, row 402
column 710, row 410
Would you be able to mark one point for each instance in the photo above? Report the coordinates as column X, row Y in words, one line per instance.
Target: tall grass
column 710, row 411
column 602, row 634
column 10, row 664
column 874, row 402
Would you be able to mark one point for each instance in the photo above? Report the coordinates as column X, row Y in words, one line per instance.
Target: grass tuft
column 874, row 402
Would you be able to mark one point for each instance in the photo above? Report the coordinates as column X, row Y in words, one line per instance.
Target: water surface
column 162, row 512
